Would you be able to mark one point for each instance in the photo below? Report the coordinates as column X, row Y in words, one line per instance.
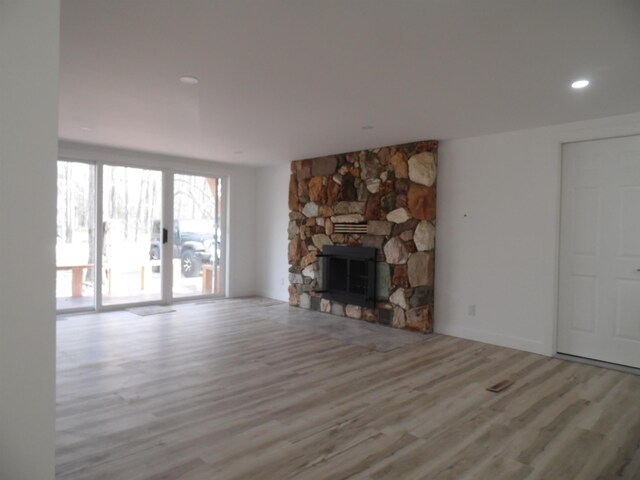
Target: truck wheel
column 191, row 265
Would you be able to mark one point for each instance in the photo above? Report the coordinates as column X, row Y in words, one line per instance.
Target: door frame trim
column 579, row 137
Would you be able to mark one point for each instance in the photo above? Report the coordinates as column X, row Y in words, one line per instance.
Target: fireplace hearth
column 349, row 275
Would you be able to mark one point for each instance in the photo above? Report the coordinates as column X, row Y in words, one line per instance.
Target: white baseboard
column 501, row 340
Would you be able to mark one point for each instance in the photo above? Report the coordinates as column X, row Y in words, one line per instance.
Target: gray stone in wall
column 315, row 303
column 295, row 278
column 349, row 207
column 399, row 318
column 422, row 168
column 293, row 229
column 421, row 296
column 337, row 309
column 425, row 236
column 293, row 216
column 309, row 271
column 325, row 305
column 388, row 201
column 383, row 280
column 369, row 166
column 418, row 269
column 399, row 298
column 363, row 193
column 305, row 300
column 373, row 185
column 320, row 240
column 349, row 218
column 372, row 241
column 323, row 166
column 378, row 227
column 310, row 209
column 399, row 215
column 395, row 252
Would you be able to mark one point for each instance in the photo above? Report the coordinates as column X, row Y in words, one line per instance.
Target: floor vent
column 500, row 386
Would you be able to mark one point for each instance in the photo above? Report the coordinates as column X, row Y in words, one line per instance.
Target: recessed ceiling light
column 189, row 80
column 238, row 152
column 85, row 129
column 367, row 127
column 580, row 84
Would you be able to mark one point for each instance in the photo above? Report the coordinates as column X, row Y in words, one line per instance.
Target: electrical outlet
column 281, row 281
column 471, row 310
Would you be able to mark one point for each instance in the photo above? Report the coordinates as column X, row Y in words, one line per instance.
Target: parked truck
column 195, row 242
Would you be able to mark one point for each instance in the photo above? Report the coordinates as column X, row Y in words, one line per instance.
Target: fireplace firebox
column 349, row 275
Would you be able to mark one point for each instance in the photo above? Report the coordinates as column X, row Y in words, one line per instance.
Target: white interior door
column 599, row 274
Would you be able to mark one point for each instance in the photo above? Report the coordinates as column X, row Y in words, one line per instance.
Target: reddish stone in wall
column 372, row 209
column 400, row 277
column 399, row 162
column 370, row 315
column 317, row 190
column 422, row 202
column 293, row 193
column 294, row 297
column 303, row 191
column 399, row 228
column 302, row 169
column 386, row 187
column 333, row 192
column 401, row 200
column 402, row 185
column 426, row 146
column 297, row 250
column 420, row 319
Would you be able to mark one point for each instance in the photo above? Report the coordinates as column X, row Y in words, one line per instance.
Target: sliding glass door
column 129, row 235
column 76, row 236
column 197, row 235
column 131, row 253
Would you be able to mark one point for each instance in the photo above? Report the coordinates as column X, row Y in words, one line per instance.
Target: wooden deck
column 222, row 390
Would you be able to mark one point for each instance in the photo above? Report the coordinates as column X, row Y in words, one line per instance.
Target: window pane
column 197, row 235
column 132, row 199
column 76, row 236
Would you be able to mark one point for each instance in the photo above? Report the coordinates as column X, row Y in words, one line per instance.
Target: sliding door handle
column 165, row 236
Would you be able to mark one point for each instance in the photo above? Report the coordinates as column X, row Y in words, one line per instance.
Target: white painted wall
column 241, row 234
column 272, row 212
column 240, row 201
column 498, row 230
column 29, row 31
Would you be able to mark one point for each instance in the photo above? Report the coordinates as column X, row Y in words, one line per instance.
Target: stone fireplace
column 384, row 200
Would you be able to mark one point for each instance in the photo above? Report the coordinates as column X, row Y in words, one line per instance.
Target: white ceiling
column 288, row 79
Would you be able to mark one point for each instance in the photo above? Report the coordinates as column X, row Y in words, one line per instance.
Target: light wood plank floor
column 222, row 391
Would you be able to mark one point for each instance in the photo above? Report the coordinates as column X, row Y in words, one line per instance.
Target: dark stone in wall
column 385, row 316
column 323, row 166
column 315, row 303
column 348, row 192
column 421, row 296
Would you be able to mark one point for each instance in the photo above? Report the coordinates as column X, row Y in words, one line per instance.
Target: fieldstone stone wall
column 393, row 191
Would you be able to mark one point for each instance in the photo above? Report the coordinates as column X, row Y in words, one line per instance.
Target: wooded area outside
column 132, row 202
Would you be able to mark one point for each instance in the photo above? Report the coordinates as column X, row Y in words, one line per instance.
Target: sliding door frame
column 168, row 166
